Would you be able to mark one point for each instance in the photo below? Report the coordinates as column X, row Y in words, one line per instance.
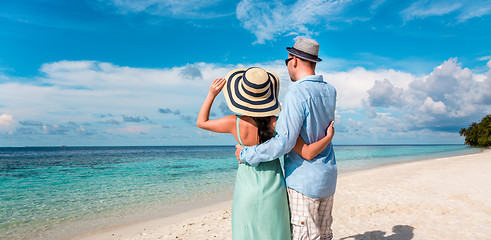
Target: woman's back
column 248, row 130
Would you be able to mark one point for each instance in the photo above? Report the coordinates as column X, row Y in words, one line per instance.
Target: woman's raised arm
column 309, row 152
column 221, row 125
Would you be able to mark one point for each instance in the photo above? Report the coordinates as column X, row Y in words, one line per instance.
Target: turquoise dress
column 260, row 206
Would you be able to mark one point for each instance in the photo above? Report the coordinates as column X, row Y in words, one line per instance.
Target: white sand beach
column 446, row 198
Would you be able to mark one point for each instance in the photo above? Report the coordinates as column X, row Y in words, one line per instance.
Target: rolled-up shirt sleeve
column 288, row 128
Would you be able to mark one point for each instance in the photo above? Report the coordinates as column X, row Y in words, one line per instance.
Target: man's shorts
column 311, row 218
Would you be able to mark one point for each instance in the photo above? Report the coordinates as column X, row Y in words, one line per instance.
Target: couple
column 263, row 208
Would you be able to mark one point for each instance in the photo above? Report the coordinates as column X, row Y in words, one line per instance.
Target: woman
column 260, row 206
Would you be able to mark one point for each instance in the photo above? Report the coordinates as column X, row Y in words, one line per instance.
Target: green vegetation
column 478, row 134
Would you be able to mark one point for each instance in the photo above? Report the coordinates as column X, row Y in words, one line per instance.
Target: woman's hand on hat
column 216, row 86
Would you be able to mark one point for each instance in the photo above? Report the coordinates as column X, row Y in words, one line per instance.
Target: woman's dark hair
column 264, row 131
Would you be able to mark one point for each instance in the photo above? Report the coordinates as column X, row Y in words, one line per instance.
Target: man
column 308, row 110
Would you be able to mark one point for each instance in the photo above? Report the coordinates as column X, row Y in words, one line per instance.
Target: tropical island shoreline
column 442, row 198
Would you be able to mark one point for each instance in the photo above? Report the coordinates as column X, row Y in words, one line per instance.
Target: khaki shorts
column 311, row 218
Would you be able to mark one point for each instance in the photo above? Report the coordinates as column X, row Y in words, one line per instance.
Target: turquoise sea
column 58, row 192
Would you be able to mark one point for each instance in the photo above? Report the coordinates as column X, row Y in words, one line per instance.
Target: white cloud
column 375, row 4
column 353, row 85
column 465, row 9
column 172, row 8
column 384, row 94
column 456, row 87
column 448, row 97
column 85, row 88
column 432, row 107
column 71, row 97
column 81, row 97
column 475, row 9
column 6, row 121
column 391, row 102
column 423, row 9
column 135, row 129
column 266, row 19
column 54, row 129
column 484, row 58
column 448, row 78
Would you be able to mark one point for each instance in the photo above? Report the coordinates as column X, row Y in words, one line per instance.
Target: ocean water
column 57, row 192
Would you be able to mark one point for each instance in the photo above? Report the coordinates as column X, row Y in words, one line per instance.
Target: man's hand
column 238, row 148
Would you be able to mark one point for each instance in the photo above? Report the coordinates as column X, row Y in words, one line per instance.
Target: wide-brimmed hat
column 252, row 92
column 305, row 48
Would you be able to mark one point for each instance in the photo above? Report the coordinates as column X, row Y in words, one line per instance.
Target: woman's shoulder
column 229, row 119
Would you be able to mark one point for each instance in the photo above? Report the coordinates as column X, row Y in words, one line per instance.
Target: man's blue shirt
column 307, row 110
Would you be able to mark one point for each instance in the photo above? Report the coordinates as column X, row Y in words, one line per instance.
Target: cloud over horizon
column 385, row 104
column 88, row 98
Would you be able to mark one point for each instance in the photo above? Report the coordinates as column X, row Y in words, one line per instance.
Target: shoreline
column 174, row 212
column 213, row 221
column 389, row 164
column 122, row 231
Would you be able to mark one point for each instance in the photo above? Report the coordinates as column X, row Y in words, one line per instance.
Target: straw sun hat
column 305, row 48
column 252, row 92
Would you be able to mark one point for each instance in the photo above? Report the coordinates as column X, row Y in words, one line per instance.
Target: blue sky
column 120, row 72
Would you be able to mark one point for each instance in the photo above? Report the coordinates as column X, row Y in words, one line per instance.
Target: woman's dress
column 260, row 205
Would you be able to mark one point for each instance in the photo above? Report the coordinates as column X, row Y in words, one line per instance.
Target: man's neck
column 303, row 74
